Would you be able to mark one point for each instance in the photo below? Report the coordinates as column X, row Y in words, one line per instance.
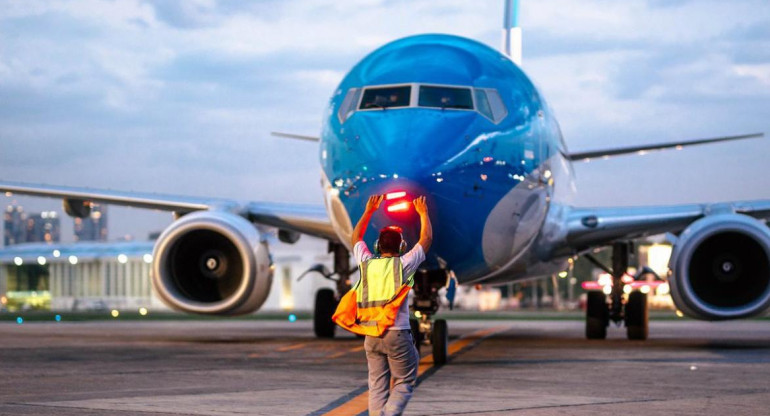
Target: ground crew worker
column 392, row 354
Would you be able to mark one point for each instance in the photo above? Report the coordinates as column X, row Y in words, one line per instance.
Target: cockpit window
column 385, row 97
column 349, row 103
column 485, row 101
column 496, row 104
column 482, row 104
column 490, row 105
column 445, row 97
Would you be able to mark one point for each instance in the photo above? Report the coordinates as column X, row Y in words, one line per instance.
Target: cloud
column 191, row 14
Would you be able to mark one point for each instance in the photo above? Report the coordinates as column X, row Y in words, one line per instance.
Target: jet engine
column 211, row 262
column 721, row 268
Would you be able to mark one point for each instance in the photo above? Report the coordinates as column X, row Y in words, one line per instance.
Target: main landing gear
column 425, row 304
column 601, row 309
column 326, row 299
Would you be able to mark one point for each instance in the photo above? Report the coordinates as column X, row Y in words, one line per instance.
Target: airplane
column 459, row 122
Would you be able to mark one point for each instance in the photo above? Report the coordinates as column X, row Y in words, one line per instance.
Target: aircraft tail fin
column 605, row 153
column 511, row 45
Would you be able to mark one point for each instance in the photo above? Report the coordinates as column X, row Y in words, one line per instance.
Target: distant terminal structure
column 79, row 276
column 93, row 276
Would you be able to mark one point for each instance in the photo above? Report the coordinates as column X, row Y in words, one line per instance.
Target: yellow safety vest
column 371, row 306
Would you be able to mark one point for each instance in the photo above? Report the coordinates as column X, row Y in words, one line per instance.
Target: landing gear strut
column 326, row 300
column 426, row 286
column 634, row 312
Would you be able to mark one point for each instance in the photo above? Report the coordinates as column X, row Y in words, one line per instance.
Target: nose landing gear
column 425, row 304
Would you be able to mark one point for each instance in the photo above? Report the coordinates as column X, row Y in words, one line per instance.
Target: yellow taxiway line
column 292, row 347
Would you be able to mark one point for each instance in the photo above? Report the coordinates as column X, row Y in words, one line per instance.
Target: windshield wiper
column 375, row 105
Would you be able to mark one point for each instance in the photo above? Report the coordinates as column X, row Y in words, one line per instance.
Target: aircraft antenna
column 511, row 45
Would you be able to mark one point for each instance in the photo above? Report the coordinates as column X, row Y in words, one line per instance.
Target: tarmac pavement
column 278, row 368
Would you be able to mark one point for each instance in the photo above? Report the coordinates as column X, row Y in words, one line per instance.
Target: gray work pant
column 391, row 355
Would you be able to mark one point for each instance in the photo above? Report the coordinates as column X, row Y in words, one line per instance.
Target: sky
column 179, row 97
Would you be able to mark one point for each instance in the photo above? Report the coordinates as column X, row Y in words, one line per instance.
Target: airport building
column 116, row 275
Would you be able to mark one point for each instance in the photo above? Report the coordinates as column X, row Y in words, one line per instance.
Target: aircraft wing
column 592, row 227
column 603, row 153
column 296, row 218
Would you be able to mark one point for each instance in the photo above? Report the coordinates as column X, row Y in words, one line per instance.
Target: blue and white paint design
column 489, row 186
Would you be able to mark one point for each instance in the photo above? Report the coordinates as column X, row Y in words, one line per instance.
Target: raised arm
column 371, row 205
column 426, row 230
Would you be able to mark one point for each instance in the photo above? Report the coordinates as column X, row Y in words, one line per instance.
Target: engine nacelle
column 721, row 268
column 211, row 262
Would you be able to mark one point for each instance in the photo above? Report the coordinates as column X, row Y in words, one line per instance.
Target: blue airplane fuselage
column 490, row 184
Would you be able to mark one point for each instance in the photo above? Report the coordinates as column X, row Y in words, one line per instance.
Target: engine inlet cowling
column 721, row 268
column 212, row 263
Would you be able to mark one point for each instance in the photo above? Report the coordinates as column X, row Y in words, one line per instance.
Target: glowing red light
column 395, row 195
column 401, row 206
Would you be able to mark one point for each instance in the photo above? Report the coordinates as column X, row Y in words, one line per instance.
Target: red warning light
column 400, row 207
column 395, row 195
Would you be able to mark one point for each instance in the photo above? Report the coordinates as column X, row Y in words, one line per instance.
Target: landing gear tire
column 325, row 305
column 439, row 338
column 637, row 316
column 414, row 324
column 597, row 316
